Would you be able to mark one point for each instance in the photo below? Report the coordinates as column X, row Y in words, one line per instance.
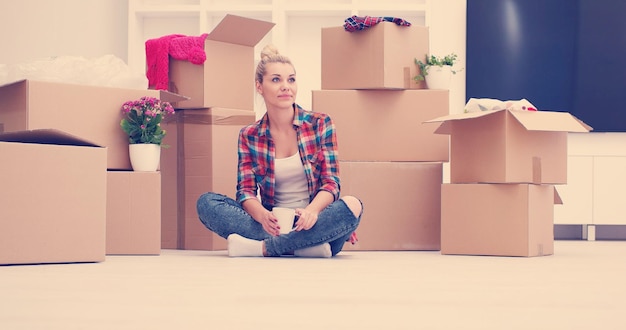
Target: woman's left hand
column 306, row 219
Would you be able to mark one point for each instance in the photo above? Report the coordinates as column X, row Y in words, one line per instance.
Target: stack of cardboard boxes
column 503, row 168
column 68, row 192
column 388, row 157
column 202, row 137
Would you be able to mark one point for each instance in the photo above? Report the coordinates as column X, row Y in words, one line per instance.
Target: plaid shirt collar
column 298, row 119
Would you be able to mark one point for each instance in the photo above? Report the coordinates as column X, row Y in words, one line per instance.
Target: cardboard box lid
column 46, row 136
column 531, row 120
column 168, row 96
column 163, row 94
column 240, row 30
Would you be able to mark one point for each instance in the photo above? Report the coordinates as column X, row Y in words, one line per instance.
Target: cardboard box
column 202, row 157
column 91, row 112
column 377, row 125
column 226, row 78
column 381, row 57
column 509, row 146
column 133, row 213
column 53, row 198
column 498, row 219
column 401, row 204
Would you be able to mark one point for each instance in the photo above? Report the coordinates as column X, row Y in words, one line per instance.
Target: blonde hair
column 269, row 54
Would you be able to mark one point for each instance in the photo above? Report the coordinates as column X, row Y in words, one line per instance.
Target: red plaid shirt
column 317, row 146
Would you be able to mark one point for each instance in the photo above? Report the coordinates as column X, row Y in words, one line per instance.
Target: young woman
column 290, row 156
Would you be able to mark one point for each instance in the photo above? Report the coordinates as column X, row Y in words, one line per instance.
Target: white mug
column 285, row 218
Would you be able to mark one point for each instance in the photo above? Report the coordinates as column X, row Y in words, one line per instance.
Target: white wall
column 35, row 29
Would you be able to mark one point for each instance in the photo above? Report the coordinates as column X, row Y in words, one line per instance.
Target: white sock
column 317, row 251
column 239, row 246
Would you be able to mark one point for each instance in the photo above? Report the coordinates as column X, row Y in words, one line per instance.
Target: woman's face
column 279, row 87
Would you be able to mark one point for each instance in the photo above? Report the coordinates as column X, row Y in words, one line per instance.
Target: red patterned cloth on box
column 356, row 23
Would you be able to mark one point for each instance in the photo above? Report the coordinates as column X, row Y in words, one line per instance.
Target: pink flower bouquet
column 142, row 119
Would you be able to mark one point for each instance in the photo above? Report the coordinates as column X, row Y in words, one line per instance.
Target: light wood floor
column 582, row 286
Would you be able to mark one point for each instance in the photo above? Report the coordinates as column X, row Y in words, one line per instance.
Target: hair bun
column 269, row 51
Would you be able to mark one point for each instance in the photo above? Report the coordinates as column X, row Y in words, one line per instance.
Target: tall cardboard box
column 386, row 125
column 90, row 112
column 202, row 158
column 226, row 78
column 401, row 204
column 380, row 57
column 498, row 219
column 133, row 213
column 509, row 146
column 52, row 198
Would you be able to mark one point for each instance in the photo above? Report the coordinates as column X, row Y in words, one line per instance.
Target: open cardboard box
column 52, row 198
column 226, row 78
column 498, row 219
column 91, row 112
column 509, row 146
column 380, row 57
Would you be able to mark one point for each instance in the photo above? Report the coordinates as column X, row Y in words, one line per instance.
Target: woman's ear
column 259, row 88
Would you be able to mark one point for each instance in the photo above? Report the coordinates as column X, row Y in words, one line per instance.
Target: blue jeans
column 224, row 216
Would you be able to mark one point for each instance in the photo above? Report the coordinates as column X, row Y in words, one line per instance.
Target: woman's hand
column 269, row 222
column 262, row 216
column 306, row 219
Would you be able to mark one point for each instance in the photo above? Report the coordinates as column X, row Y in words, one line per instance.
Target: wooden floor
column 582, row 286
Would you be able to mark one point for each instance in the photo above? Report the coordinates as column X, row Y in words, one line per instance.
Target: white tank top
column 291, row 185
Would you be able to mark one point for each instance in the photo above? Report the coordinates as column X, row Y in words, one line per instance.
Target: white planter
column 438, row 77
column 145, row 157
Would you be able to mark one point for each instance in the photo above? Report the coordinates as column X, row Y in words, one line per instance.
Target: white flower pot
column 438, row 77
column 144, row 157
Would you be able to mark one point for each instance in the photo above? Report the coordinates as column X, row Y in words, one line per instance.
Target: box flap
column 14, row 82
column 444, row 128
column 240, row 30
column 557, row 197
column 531, row 120
column 170, row 97
column 45, row 136
column 549, row 121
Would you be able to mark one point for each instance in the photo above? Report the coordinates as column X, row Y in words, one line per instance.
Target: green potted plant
column 436, row 71
column 142, row 124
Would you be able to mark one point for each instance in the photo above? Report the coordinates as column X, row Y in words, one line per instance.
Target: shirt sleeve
column 329, row 176
column 246, row 181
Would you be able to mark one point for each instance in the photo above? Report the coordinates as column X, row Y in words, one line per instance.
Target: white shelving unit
column 297, row 32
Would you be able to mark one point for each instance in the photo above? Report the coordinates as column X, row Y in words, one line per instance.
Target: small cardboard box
column 133, row 213
column 202, row 157
column 226, row 78
column 380, row 57
column 498, row 219
column 53, row 198
column 401, row 204
column 386, row 125
column 91, row 112
column 509, row 146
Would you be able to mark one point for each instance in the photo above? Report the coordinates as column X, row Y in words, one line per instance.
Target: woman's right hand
column 269, row 223
column 262, row 216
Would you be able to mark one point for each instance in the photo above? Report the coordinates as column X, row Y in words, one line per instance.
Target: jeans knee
column 354, row 204
column 206, row 202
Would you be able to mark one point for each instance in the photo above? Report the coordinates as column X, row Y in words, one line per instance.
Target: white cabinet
column 594, row 193
column 577, row 194
column 609, row 183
